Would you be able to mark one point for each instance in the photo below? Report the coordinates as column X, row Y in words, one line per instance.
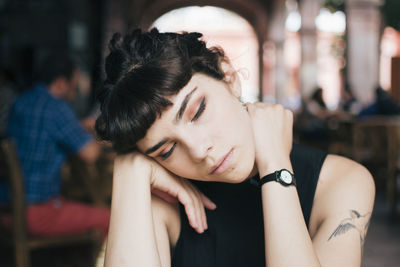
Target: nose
column 199, row 147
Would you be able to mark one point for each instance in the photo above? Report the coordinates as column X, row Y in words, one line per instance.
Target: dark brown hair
column 143, row 69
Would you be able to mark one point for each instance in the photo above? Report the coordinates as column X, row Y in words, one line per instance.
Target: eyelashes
column 199, row 112
column 166, row 155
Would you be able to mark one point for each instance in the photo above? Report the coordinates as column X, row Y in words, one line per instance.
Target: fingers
column 164, row 195
column 200, row 205
column 191, row 211
column 272, row 131
column 257, row 105
column 207, row 202
column 276, row 114
column 170, row 187
column 192, row 200
column 201, row 221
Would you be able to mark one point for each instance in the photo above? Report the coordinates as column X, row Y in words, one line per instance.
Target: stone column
column 363, row 35
column 309, row 10
column 274, row 49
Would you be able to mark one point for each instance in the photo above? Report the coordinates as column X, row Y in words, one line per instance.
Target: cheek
column 234, row 122
column 224, row 113
column 179, row 166
column 241, row 134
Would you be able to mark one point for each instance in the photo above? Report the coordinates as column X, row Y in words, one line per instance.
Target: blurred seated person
column 8, row 94
column 45, row 131
column 89, row 122
column 349, row 104
column 384, row 105
column 316, row 105
column 313, row 118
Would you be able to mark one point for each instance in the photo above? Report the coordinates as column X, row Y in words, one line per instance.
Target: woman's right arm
column 132, row 239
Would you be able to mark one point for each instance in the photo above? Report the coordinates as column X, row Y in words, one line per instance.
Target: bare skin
column 145, row 227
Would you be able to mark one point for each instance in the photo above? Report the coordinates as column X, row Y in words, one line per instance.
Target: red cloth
column 61, row 217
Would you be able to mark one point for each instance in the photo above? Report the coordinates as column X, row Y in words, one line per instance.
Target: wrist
column 268, row 167
column 133, row 165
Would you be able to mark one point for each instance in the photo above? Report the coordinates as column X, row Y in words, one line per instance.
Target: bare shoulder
column 344, row 185
column 166, row 215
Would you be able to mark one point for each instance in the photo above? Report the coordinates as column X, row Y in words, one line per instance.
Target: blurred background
column 334, row 63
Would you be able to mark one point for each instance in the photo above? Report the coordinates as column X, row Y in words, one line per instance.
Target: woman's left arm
column 287, row 239
column 342, row 211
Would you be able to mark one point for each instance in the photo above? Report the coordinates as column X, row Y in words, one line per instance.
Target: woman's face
column 205, row 135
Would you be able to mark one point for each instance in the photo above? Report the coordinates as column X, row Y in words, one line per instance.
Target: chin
column 240, row 175
column 237, row 180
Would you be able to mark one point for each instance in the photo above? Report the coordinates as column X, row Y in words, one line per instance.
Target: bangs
column 138, row 100
column 144, row 69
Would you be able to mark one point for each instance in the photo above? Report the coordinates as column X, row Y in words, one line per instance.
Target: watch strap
column 269, row 178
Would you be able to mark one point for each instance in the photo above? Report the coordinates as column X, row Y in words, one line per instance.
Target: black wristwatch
column 283, row 176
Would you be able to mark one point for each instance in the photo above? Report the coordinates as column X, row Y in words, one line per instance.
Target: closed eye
column 201, row 109
column 167, row 154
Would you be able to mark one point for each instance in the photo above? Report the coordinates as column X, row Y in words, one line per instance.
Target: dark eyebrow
column 177, row 118
column 157, row 146
column 184, row 105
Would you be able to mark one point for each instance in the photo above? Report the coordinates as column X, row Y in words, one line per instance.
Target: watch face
column 286, row 177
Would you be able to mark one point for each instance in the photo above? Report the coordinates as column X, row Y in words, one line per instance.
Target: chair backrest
column 16, row 187
column 86, row 174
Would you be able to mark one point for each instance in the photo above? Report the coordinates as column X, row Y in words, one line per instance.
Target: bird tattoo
column 356, row 221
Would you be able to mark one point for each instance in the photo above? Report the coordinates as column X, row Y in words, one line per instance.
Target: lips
column 222, row 164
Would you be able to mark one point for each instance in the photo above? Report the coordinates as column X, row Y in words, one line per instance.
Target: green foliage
column 391, row 13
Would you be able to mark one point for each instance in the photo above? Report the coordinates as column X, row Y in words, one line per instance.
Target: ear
column 232, row 79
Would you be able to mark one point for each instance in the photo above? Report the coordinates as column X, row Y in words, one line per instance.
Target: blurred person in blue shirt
column 383, row 105
column 46, row 130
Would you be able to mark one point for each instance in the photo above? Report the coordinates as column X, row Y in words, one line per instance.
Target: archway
column 221, row 28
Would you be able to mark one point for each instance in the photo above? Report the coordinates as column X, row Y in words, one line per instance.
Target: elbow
column 368, row 183
column 90, row 152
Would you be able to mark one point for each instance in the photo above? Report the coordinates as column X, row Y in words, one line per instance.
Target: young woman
column 202, row 180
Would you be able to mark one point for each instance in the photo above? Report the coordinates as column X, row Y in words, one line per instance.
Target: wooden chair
column 381, row 137
column 84, row 181
column 18, row 237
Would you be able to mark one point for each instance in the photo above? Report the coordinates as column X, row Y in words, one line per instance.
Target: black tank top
column 235, row 235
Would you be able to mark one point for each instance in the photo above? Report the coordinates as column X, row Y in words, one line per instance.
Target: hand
column 88, row 124
column 173, row 188
column 272, row 128
column 166, row 185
